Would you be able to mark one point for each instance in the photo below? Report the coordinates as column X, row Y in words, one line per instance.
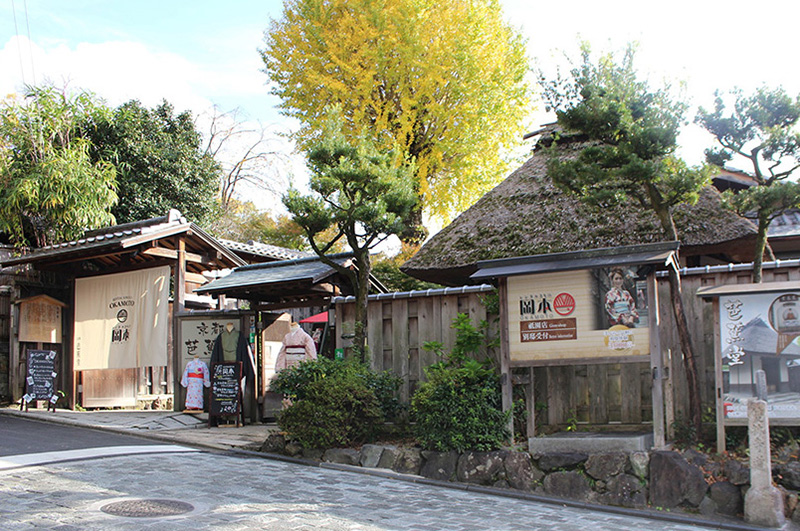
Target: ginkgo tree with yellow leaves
column 444, row 81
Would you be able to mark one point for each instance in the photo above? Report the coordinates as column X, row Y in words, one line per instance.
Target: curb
column 410, row 478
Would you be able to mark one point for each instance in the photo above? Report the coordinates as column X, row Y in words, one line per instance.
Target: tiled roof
column 266, row 250
column 262, row 276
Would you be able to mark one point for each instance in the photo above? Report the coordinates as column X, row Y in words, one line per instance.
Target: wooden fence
column 400, row 323
column 603, row 395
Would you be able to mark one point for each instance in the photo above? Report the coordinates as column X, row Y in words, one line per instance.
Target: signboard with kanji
column 198, row 336
column 759, row 331
column 584, row 314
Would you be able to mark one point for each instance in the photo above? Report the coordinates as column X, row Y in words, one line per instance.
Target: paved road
column 22, row 436
column 239, row 493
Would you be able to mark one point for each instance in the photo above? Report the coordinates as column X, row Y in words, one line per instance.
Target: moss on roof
column 527, row 215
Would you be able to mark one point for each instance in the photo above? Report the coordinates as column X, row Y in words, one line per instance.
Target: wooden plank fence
column 603, row 395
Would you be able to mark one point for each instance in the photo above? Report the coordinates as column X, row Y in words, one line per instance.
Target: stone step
column 591, row 443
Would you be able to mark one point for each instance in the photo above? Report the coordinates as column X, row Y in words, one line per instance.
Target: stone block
column 673, row 481
column 554, row 461
column 625, row 490
column 342, row 456
column 736, row 472
column 389, row 457
column 520, row 472
column 568, row 484
column 640, row 464
column 439, row 465
column 483, row 468
column 409, row 461
column 604, row 466
column 727, row 498
column 370, row 455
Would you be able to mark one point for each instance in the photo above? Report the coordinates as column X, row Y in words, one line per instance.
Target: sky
column 198, row 54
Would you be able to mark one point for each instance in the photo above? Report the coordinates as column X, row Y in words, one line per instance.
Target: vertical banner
column 121, row 320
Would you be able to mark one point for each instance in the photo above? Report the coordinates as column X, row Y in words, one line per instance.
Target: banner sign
column 759, row 331
column 574, row 315
column 121, row 320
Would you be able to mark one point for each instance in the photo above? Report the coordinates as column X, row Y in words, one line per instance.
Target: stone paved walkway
column 243, row 494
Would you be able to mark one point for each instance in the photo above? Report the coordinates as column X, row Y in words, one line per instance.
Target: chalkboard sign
column 41, row 377
column 226, row 392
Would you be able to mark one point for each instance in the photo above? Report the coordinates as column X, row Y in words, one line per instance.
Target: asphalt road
column 23, row 436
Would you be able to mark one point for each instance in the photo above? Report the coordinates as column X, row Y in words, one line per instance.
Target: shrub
column 336, row 410
column 294, row 382
column 460, row 407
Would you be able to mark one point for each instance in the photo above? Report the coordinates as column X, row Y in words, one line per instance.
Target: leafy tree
column 363, row 193
column 444, row 80
column 160, row 162
column 632, row 131
column 50, row 189
column 761, row 129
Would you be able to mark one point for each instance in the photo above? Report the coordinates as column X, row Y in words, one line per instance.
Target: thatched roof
column 527, row 215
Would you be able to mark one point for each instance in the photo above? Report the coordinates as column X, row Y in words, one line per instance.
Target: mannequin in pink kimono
column 195, row 378
column 297, row 346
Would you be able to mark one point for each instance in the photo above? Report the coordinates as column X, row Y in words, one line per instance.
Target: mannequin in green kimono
column 231, row 346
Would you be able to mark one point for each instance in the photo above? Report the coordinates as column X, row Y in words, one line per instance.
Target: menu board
column 41, row 376
column 226, row 397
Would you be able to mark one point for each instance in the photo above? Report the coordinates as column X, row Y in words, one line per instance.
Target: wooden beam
column 505, row 357
column 178, row 307
column 196, row 278
column 265, row 306
column 172, row 254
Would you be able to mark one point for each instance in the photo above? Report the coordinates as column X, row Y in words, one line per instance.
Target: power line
column 30, row 49
column 19, row 48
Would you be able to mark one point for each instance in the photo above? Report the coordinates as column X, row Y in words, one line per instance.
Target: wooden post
column 656, row 365
column 530, row 403
column 178, row 305
column 720, row 403
column 505, row 356
column 15, row 382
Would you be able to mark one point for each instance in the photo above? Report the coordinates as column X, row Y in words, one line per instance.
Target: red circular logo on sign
column 564, row 303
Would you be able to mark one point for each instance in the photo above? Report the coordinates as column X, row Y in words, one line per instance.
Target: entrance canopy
column 655, row 254
column 296, row 283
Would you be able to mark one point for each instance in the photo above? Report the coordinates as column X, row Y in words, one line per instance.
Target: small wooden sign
column 226, row 391
column 40, row 378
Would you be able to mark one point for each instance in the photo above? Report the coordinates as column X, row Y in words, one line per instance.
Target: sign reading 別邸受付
column 577, row 315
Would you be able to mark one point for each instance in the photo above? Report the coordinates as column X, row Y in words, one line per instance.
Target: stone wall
column 667, row 480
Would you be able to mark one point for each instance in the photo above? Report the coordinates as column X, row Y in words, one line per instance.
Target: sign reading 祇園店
column 582, row 307
column 578, row 315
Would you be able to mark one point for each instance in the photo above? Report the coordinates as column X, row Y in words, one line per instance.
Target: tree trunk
column 682, row 324
column 689, row 359
column 761, row 244
column 362, row 293
column 415, row 232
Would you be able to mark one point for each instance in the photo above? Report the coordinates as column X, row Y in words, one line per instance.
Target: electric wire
column 30, row 49
column 19, row 48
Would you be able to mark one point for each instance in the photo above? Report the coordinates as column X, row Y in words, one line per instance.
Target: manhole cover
column 147, row 508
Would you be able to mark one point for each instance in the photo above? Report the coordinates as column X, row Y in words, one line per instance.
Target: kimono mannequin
column 297, row 346
column 230, row 346
column 195, row 377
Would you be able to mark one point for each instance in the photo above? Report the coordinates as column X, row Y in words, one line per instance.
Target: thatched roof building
column 527, row 215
